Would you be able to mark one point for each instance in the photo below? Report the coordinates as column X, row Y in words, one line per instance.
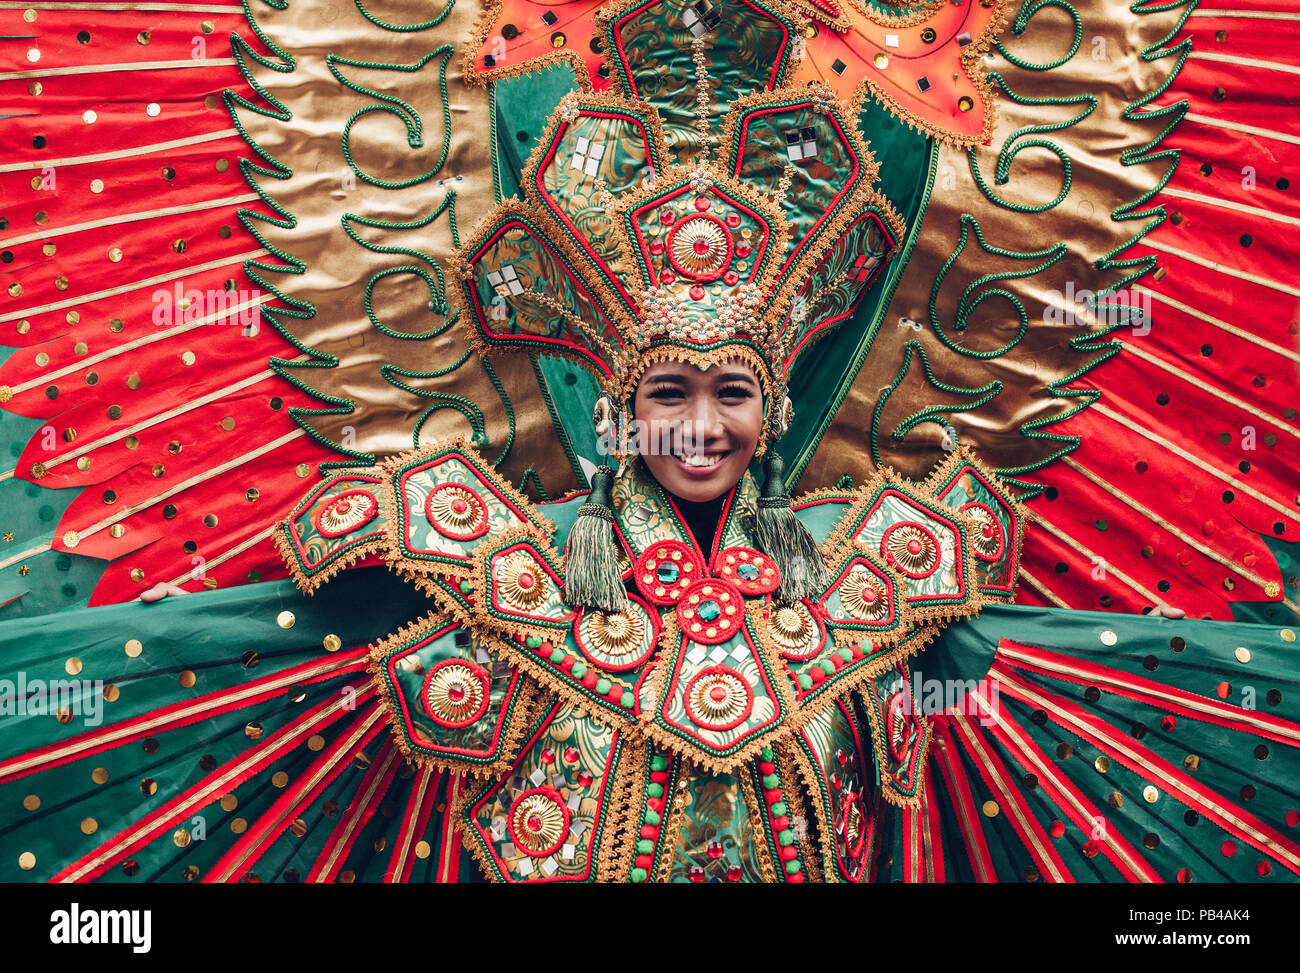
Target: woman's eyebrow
column 736, row 376
column 670, row 377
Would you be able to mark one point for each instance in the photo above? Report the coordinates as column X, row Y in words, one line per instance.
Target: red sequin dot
column 1293, row 818
column 666, row 215
column 742, row 249
column 667, row 277
column 1168, row 723
column 1229, row 849
column 734, row 874
column 697, row 293
column 1058, row 829
column 1263, row 868
column 570, row 755
column 731, row 278
column 657, row 249
column 733, row 219
column 696, row 873
column 701, row 203
column 1184, row 876
column 584, row 778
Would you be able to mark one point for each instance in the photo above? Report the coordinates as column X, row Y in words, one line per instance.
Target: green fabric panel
column 523, row 104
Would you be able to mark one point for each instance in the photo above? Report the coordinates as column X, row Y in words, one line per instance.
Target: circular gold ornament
column 863, row 595
column 539, row 821
column 521, row 582
column 456, row 693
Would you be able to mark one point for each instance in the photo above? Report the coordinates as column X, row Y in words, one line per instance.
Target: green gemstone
column 466, row 587
column 638, row 875
column 645, row 846
column 793, row 867
column 785, row 836
column 602, row 686
column 771, row 782
column 655, row 790
column 533, row 641
column 709, row 611
column 557, row 656
column 779, row 809
column 658, row 763
column 805, row 681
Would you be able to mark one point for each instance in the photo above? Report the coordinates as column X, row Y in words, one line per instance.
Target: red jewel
column 702, row 247
column 667, row 277
column 342, row 507
column 656, row 248
column 715, row 849
column 584, row 778
column 730, row 277
column 548, row 756
column 696, row 873
column 1058, row 829
column 733, row 219
column 835, row 781
column 988, row 530
column 734, row 873
column 842, row 757
column 666, row 215
column 571, row 755
column 456, row 692
column 697, row 292
column 534, row 823
column 1167, row 723
column 459, row 505
column 742, row 249
column 1090, row 848
column 869, row 595
column 701, row 203
column 525, row 580
column 914, row 546
column 718, row 694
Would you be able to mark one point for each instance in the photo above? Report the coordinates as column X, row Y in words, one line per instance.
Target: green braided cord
column 425, row 25
column 396, row 106
column 1022, row 21
column 565, row 443
column 530, row 476
column 983, row 394
column 1012, row 147
column 965, row 306
column 510, row 411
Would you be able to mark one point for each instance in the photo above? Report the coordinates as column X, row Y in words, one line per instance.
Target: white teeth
column 699, row 459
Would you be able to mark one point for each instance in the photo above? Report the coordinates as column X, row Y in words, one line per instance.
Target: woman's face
column 699, row 429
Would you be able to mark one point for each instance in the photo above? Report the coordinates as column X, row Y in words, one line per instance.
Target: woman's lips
column 700, row 465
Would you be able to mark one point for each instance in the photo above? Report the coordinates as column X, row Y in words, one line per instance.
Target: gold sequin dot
column 72, row 666
column 134, row 648
column 1102, row 764
column 239, row 826
column 133, row 382
column 35, row 88
column 207, row 27
column 1108, row 637
column 227, row 423
column 99, row 775
column 423, row 850
column 990, row 809
column 187, row 679
column 253, row 730
column 222, row 165
column 89, row 826
column 29, row 16
column 31, row 802
column 181, row 838
column 116, row 325
column 89, row 116
column 137, row 575
column 70, row 539
column 302, row 470
column 27, row 861
column 1288, row 635
column 285, row 619
column 298, row 827
column 229, row 802
column 1242, row 654
column 96, row 185
column 279, row 779
column 153, row 109
column 316, row 743
column 188, row 358
column 332, row 643
column 111, row 693
column 42, row 359
column 1150, row 794
column 347, row 878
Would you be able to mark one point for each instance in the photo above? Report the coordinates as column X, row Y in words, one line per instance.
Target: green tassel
column 781, row 536
column 591, row 566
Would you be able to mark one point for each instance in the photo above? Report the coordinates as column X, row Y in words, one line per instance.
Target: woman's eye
column 665, row 392
column 735, row 392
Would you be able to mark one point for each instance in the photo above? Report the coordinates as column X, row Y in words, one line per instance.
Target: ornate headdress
column 650, row 229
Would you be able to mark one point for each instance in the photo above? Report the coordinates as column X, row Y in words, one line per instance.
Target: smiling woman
column 699, row 429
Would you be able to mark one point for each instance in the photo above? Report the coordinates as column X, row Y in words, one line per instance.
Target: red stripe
column 1057, row 787
column 1151, row 693
column 954, row 777
column 362, row 808
column 415, row 822
column 1155, row 769
column 1001, row 782
column 183, row 713
column 210, row 788
column 268, row 827
column 930, row 804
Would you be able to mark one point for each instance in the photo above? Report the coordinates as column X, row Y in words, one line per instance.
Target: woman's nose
column 707, row 418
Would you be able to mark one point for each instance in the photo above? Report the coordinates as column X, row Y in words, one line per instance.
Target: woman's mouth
column 700, row 462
